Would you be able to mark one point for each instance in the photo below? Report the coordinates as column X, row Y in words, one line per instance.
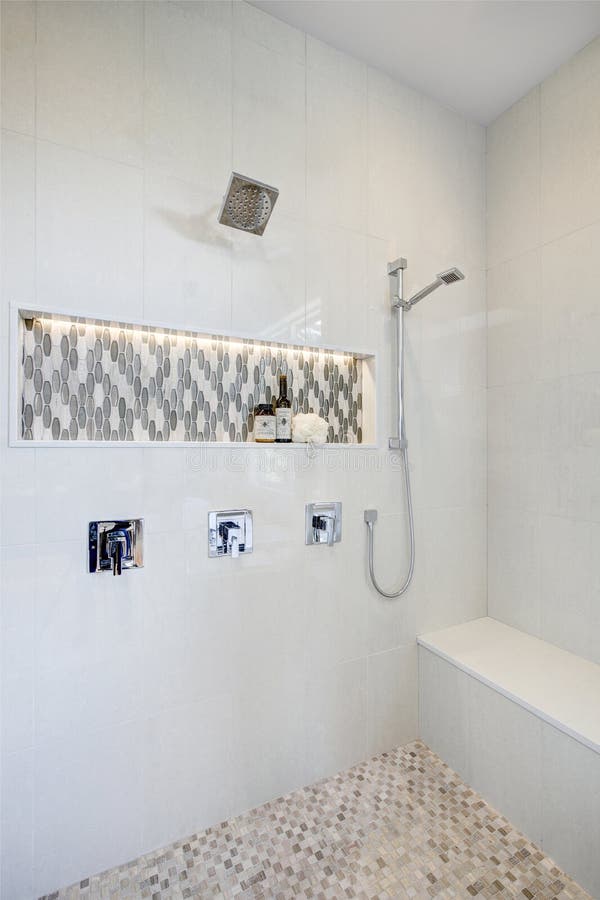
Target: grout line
column 540, row 245
column 232, row 245
column 144, row 160
column 34, row 729
column 306, row 216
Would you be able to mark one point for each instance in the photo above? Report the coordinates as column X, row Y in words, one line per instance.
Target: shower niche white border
column 18, row 314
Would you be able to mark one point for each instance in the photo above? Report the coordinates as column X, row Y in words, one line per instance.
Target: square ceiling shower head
column 248, row 204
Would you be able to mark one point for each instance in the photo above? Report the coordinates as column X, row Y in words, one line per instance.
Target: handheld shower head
column 449, row 276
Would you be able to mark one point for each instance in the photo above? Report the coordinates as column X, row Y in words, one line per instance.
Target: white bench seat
column 519, row 720
column 561, row 688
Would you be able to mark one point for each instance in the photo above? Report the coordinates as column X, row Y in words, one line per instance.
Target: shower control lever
column 230, row 537
column 117, row 545
column 323, row 524
column 230, row 533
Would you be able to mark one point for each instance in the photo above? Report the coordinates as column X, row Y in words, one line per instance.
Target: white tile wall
column 18, row 67
column 89, row 232
column 570, row 811
column 88, row 802
column 269, row 122
column 504, row 757
column 187, row 98
column 513, row 180
column 89, row 78
column 392, row 689
column 543, row 372
column 142, row 708
column 187, row 258
column 444, row 710
column 18, row 202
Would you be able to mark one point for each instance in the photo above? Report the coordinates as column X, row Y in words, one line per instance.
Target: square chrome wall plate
column 116, row 544
column 229, row 532
column 323, row 522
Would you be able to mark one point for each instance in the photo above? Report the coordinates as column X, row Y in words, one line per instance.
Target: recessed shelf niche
column 88, row 380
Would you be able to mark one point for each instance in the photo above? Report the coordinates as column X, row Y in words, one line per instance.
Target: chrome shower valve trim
column 115, row 545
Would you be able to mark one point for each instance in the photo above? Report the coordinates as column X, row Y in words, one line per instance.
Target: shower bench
column 519, row 720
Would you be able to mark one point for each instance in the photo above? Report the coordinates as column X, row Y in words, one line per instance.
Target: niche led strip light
column 85, row 379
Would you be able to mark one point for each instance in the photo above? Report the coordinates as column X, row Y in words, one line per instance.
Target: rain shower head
column 248, row 204
column 450, row 276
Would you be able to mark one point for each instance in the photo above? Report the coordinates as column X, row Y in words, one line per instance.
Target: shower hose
column 391, row 595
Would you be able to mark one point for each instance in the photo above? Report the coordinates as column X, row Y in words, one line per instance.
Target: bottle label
column 264, row 428
column 284, row 424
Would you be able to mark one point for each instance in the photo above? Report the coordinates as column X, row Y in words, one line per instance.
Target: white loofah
column 309, row 428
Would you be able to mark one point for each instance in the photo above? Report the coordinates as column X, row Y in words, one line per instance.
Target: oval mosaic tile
column 112, row 381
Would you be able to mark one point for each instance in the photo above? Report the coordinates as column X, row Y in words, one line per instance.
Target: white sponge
column 309, row 428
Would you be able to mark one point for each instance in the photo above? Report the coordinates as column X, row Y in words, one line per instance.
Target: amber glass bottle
column 283, row 412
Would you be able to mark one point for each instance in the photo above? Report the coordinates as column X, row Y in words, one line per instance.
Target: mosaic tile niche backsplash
column 91, row 380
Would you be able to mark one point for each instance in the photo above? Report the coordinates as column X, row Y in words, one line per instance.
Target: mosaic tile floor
column 396, row 826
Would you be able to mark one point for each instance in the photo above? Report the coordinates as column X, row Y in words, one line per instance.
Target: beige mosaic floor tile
column 400, row 825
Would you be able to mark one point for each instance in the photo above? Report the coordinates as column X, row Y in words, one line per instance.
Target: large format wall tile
column 89, row 232
column 569, row 573
column 514, row 311
column 253, row 24
column 393, row 134
column 104, row 768
column 18, row 205
column 268, row 285
column 269, row 127
column 18, row 66
column 505, row 757
column 570, row 318
column 570, row 809
column 513, row 180
column 336, row 149
column 543, row 369
column 444, row 710
column 336, row 288
column 514, row 593
column 570, row 144
column 17, row 825
column 194, row 740
column 187, row 255
column 90, row 77
column 188, row 91
column 391, row 685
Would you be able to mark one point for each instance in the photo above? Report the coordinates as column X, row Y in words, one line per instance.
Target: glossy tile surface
column 399, row 825
column 543, row 369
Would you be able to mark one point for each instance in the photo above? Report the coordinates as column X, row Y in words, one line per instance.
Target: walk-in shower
column 399, row 442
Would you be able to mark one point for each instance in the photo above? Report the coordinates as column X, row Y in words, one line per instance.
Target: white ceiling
column 477, row 57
